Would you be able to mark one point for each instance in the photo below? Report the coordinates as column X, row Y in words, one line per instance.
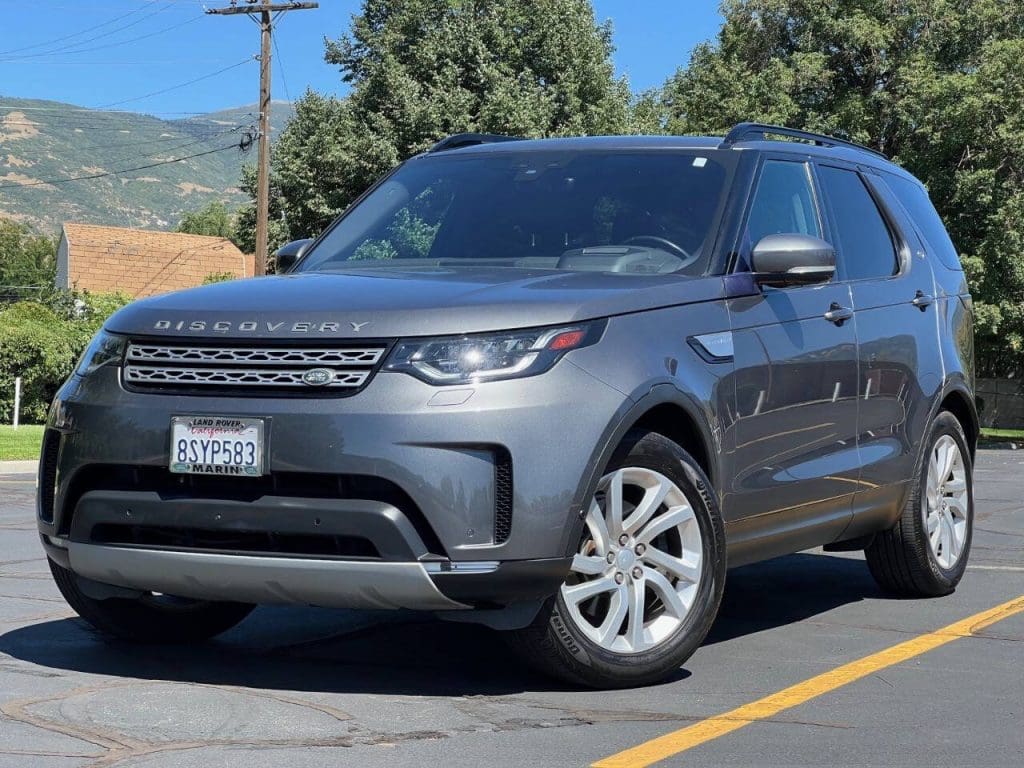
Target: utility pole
column 265, row 13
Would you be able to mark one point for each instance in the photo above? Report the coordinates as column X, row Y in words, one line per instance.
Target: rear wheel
column 647, row 578
column 925, row 553
column 151, row 618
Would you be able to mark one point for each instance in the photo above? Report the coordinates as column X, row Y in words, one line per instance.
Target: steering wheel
column 663, row 244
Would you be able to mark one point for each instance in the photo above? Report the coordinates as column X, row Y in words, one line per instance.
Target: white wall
column 63, row 267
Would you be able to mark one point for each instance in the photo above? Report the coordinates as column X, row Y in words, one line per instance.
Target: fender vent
column 502, row 495
column 48, row 474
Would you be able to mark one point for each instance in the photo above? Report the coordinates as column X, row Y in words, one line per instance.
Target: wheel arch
column 959, row 402
column 665, row 409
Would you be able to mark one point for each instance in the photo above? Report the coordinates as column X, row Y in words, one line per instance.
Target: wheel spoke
column 931, row 490
column 946, row 540
column 932, row 522
column 578, row 593
column 635, row 624
column 613, row 503
column 956, row 485
column 956, row 508
column 678, row 567
column 651, row 502
column 935, row 535
column 946, row 460
column 617, row 610
column 598, row 528
column 589, row 565
column 673, row 518
column 664, row 589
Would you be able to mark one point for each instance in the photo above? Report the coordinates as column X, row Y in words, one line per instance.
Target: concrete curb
column 18, row 467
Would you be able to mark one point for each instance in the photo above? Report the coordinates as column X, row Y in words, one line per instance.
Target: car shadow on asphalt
column 334, row 651
column 788, row 590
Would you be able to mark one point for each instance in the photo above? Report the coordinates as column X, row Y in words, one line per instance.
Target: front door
column 795, row 466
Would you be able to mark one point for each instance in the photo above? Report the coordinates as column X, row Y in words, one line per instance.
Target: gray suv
column 554, row 386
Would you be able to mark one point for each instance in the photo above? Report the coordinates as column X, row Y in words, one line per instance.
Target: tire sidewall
column 652, row 451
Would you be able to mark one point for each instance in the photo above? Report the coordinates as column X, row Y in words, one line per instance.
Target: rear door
column 791, row 476
column 892, row 289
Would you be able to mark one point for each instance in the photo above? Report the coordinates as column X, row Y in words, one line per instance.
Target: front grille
column 185, row 368
column 261, row 542
column 299, row 485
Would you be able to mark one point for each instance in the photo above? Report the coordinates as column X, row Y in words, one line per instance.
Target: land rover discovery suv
column 554, row 386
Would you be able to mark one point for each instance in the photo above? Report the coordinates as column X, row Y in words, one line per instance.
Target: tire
column 903, row 560
column 615, row 652
column 150, row 619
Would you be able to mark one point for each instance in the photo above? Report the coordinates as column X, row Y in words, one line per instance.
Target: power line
column 107, row 45
column 205, row 136
column 54, row 182
column 179, row 85
column 108, row 33
column 280, row 68
column 81, row 31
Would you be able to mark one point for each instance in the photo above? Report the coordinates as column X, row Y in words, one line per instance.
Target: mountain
column 44, row 143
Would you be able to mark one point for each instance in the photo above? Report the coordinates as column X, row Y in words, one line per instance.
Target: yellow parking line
column 714, row 727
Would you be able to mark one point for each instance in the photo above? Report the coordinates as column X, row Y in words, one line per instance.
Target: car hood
column 391, row 302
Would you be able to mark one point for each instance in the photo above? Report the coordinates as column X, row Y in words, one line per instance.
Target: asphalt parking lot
column 303, row 687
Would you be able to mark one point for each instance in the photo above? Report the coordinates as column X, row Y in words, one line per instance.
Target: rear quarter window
column 914, row 198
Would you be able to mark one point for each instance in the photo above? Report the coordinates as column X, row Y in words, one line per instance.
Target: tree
column 936, row 84
column 423, row 69
column 28, row 261
column 214, row 220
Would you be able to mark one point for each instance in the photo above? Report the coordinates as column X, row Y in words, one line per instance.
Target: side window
column 784, row 202
column 915, row 200
column 863, row 236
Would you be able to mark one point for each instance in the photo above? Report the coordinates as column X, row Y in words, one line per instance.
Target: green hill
column 44, row 143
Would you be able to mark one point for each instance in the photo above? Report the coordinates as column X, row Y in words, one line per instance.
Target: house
column 142, row 262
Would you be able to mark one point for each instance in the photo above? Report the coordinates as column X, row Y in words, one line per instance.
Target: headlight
column 490, row 357
column 104, row 349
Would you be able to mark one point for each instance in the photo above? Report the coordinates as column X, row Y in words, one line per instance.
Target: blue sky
column 172, row 42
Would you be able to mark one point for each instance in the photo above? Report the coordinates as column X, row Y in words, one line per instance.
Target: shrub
column 41, row 344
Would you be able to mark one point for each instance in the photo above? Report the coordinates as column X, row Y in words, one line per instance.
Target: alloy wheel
column 945, row 502
column 638, row 570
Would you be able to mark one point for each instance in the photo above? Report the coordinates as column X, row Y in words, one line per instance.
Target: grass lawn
column 21, row 443
column 1005, row 434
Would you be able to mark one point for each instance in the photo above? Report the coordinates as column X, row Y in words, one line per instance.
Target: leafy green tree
column 244, row 234
column 420, row 70
column 936, row 84
column 214, row 220
column 28, row 261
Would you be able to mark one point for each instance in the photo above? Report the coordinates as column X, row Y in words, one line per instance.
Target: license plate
column 216, row 445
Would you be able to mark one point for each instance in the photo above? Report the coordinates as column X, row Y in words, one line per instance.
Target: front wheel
column 925, row 553
column 647, row 579
column 151, row 618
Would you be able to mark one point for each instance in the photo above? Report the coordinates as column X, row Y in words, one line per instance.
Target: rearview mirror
column 793, row 259
column 289, row 253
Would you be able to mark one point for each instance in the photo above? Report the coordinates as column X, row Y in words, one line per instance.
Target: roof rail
column 744, row 131
column 469, row 140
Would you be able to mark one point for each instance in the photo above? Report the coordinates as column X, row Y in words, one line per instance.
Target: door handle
column 838, row 314
column 922, row 300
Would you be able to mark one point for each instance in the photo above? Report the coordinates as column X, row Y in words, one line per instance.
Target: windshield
column 639, row 212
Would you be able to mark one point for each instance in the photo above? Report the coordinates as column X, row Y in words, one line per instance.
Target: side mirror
column 289, row 253
column 793, row 259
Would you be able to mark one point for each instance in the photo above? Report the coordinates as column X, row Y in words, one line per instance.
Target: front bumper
column 410, row 468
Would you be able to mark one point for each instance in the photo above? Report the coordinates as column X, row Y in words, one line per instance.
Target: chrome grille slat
column 190, row 366
column 235, row 377
column 327, row 356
